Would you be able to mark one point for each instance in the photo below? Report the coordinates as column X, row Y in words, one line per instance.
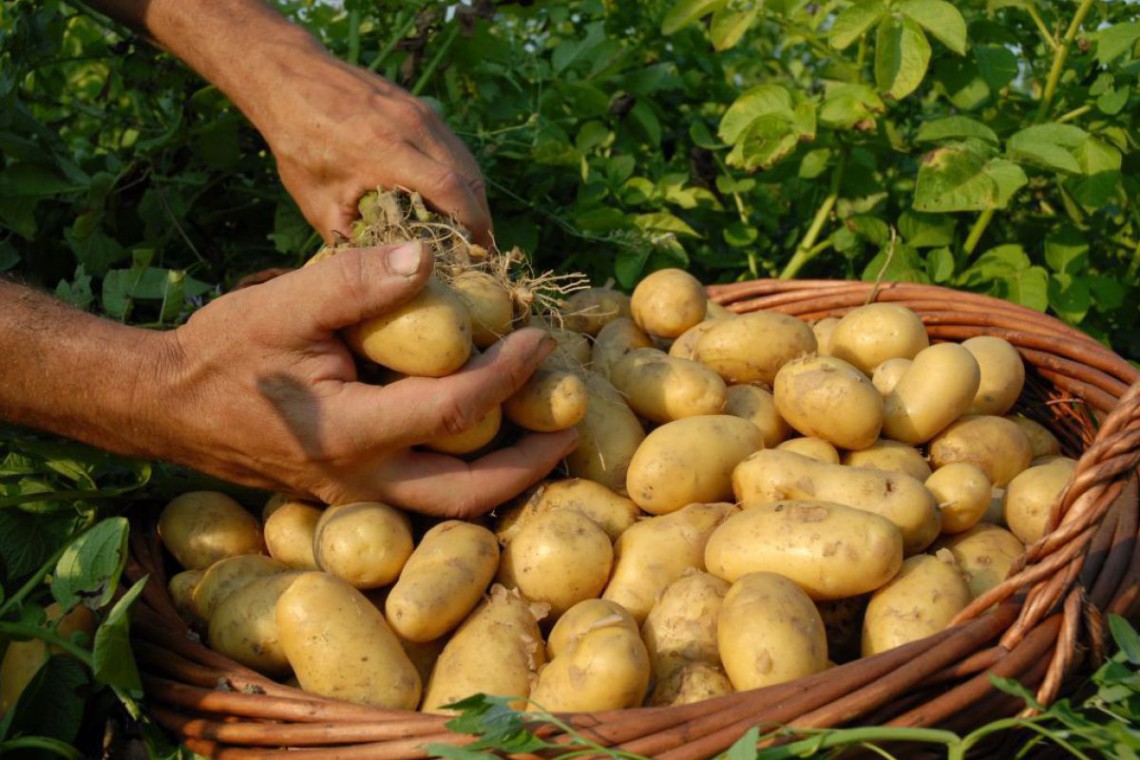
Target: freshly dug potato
column 228, row 575
column 693, row 682
column 889, row 456
column 181, row 589
column 829, row 550
column 573, row 350
column 366, row 543
column 751, row 348
column 715, row 310
column 756, row 405
column 1042, row 440
column 685, row 347
column 588, row 311
column 825, row 397
column 823, row 330
column 497, row 650
column 769, row 631
column 935, row 390
column 773, row 475
column 244, row 625
column 23, row 659
column 871, row 334
column 289, row 533
column 614, row 341
column 274, row 503
column 663, row 388
column 1002, row 374
column 552, row 399
column 999, row 447
column 812, row 448
column 429, row 336
column 963, row 493
column 612, row 513
column 473, row 438
column 887, row 375
column 339, row 645
column 583, row 617
column 984, row 553
column 680, row 631
column 921, row 600
column 653, row 553
column 608, row 436
column 201, row 527
column 689, row 460
column 442, row 581
column 489, row 304
column 559, row 558
column 668, row 302
column 1030, row 496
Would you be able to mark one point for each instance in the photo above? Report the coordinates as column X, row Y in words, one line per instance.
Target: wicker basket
column 1043, row 626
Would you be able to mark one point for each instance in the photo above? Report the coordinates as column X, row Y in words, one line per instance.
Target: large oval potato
column 226, row 576
column 751, row 348
column 608, row 437
column 244, row 625
column 488, row 302
column 589, row 310
column 984, row 553
column 680, row 632
column 289, row 532
column 921, row 601
column 889, row 456
column 1002, row 374
column 871, row 334
column 1029, row 498
column 552, row 399
column 366, row 543
column 201, row 527
column 685, row 347
column 473, row 438
column 935, row 390
column 996, row 445
column 812, row 448
column 612, row 512
column 579, row 619
column 662, row 388
column 755, row 404
column 614, row 341
column 668, row 302
column 825, row 397
column 963, row 493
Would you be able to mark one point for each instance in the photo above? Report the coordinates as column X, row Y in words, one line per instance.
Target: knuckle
column 454, row 416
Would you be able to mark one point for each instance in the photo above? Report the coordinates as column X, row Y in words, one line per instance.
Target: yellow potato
column 612, row 513
column 201, row 527
column 668, row 302
column 889, row 456
column 23, row 659
column 581, row 618
column 751, row 348
column 608, row 436
column 689, row 460
column 473, row 438
column 339, row 645
column 1002, row 374
column 825, row 397
column 694, row 682
column 714, row 310
column 1041, row 439
column 1030, row 497
column 442, row 581
column 588, row 311
column 985, row 554
column 680, row 631
column 823, row 330
column 963, row 493
column 662, row 388
column 573, row 350
column 685, row 347
column 871, row 334
column 365, row 543
column 922, row 599
column 887, row 375
column 614, row 341
column 812, row 448
column 552, row 399
column 756, row 405
column 996, row 445
column 181, row 589
column 769, row 632
column 488, row 302
column 935, row 390
column 244, row 625
column 289, row 532
column 226, row 576
column 829, row 550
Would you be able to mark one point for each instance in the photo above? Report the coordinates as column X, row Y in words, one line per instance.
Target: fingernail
column 406, row 259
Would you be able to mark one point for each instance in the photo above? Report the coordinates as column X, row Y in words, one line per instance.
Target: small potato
column 608, row 437
column 984, row 553
column 921, row 601
column 583, row 617
column 685, row 347
column 1042, row 440
column 653, row 553
column 244, row 625
column 668, row 302
column 751, row 348
column 488, row 302
column 871, row 334
column 339, row 645
column 23, row 659
column 689, row 461
column 274, row 503
column 442, row 581
column 769, row 631
column 1002, row 374
column 226, row 576
column 559, row 558
column 825, row 397
column 497, row 651
column 963, row 493
column 1030, row 497
column 680, row 630
column 829, row 550
column 935, row 390
column 429, row 336
column 588, row 311
column 289, row 533
column 614, row 341
column 755, row 404
column 663, row 388
column 612, row 513
column 573, row 349
column 823, row 330
column 887, row 375
column 201, row 527
column 999, row 447
column 366, row 543
column 181, row 589
column 889, row 456
column 714, row 311
column 812, row 448
column 694, row 682
column 551, row 400
column 473, row 438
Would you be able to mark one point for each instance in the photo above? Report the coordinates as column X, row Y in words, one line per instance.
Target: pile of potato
column 754, row 498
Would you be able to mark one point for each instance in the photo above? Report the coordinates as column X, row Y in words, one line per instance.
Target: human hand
column 259, row 389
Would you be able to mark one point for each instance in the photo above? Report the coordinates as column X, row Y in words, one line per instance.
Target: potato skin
column 442, row 581
column 244, row 625
column 473, row 438
column 825, row 397
column 831, row 551
column 365, row 543
column 935, row 390
column 1002, row 374
column 751, row 348
column 680, row 632
column 996, row 445
column 201, row 527
column 663, row 388
column 181, row 589
column 289, row 532
column 823, row 330
column 755, row 404
column 921, row 600
column 583, row 616
column 339, row 645
column 871, row 334
column 552, row 399
column 226, row 576
column 489, row 304
column 588, row 311
column 1029, row 498
column 608, row 436
column 812, row 448
column 889, row 456
column 985, row 554
column 685, row 347
column 769, row 631
column 887, row 375
column 614, row 341
column 1041, row 439
column 612, row 512
column 668, row 302
column 963, row 493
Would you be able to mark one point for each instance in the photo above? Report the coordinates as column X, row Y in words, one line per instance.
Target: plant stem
column 42, row 743
column 1076, row 113
column 1060, row 53
column 433, row 64
column 353, row 36
column 977, row 231
column 403, row 27
column 37, row 577
column 48, row 636
column 1046, row 35
column 806, row 250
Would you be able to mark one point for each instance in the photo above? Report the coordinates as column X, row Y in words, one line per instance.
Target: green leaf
column 1067, row 250
column 997, row 65
column 643, row 115
column 26, row 180
column 902, row 55
column 20, row 215
column 956, row 128
column 869, row 228
column 686, row 12
column 1109, row 292
column 1049, row 146
column 629, row 264
column 740, row 235
column 728, row 26
column 89, row 569
column 998, row 263
column 1125, row 637
column 847, row 105
column 940, row 265
column 1112, row 101
column 744, row 748
column 956, row 179
column 1070, row 297
column 51, row 704
column 926, row 230
column 662, row 221
column 854, row 21
column 903, row 264
column 940, row 18
column 1115, row 41
column 767, row 140
column 28, row 540
column 814, row 163
column 760, row 101
column 9, row 257
column 572, row 51
column 1099, row 164
column 97, row 252
column 113, row 662
column 1028, row 287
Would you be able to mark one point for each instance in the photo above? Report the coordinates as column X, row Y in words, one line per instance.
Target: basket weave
column 1044, row 625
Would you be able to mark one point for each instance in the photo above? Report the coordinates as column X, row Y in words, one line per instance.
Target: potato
column 1030, row 497
column 274, row 503
column 668, row 302
column 1041, row 439
column 473, row 438
column 201, row 527
column 680, row 630
column 442, row 581
column 365, row 543
column 339, row 645
column 685, row 347
column 228, row 575
column 244, row 625
column 829, row 550
column 825, row 397
column 551, row 399
column 693, row 682
column 935, row 390
column 999, row 447
column 921, row 601
column 429, row 336
column 559, row 558
column 963, row 494
column 751, row 348
column 985, row 554
column 773, row 475
column 614, row 341
column 612, row 513
column 608, row 436
column 181, row 589
column 653, row 553
column 289, row 533
column 688, row 461
column 581, row 618
column 812, row 448
column 424, row 656
column 588, row 311
column 497, row 651
column 769, row 632
column 573, row 350
column 887, row 375
column 755, row 404
column 889, row 456
column 823, row 330
column 23, row 659
column 871, row 334
column 663, row 388
column 714, row 311
column 1002, row 374
column 488, row 302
